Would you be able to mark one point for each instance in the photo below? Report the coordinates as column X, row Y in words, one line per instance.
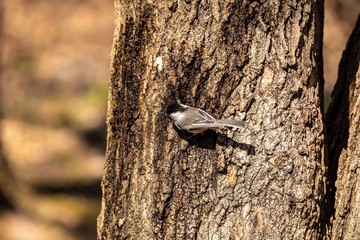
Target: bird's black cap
column 175, row 108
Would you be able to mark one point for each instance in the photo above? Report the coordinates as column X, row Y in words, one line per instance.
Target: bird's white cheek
column 176, row 116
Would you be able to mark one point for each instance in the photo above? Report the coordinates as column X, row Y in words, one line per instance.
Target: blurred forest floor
column 55, row 69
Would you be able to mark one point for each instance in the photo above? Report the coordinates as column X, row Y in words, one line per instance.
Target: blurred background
column 54, row 79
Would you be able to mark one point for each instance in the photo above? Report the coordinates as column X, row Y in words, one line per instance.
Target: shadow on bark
column 209, row 138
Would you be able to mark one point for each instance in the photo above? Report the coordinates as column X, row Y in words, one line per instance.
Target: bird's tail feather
column 231, row 123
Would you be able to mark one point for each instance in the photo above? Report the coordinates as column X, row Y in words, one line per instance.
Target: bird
column 196, row 120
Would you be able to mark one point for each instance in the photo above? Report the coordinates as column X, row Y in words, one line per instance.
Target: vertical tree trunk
column 343, row 128
column 251, row 60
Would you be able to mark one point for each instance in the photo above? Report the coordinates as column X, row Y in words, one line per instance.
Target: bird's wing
column 203, row 120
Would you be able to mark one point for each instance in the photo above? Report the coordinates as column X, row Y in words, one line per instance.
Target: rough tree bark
column 343, row 130
column 258, row 61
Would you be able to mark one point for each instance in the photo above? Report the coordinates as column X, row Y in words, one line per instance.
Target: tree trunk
column 343, row 128
column 250, row 60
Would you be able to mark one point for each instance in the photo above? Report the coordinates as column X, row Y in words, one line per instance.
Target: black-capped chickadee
column 195, row 120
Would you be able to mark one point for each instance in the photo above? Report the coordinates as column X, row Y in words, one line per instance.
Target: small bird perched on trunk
column 195, row 120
